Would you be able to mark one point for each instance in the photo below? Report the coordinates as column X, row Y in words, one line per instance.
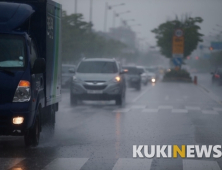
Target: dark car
column 133, row 77
column 98, row 79
column 217, row 76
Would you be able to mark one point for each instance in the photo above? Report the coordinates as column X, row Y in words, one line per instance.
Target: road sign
column 178, row 33
column 178, row 45
column 177, row 61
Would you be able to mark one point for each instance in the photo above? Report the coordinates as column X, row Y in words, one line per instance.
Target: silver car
column 98, row 79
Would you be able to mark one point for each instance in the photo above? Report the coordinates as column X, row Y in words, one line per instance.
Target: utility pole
column 75, row 6
column 105, row 19
column 114, row 18
column 91, row 11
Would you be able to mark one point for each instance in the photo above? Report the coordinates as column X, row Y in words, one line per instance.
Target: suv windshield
column 12, row 51
column 97, row 67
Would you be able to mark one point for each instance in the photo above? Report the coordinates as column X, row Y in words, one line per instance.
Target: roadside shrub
column 177, row 75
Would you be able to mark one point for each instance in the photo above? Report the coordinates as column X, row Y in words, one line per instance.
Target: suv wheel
column 119, row 100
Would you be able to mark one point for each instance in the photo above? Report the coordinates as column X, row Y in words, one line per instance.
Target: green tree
column 78, row 40
column 164, row 34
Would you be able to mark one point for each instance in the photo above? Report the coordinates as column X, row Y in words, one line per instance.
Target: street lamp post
column 108, row 7
column 90, row 11
column 117, row 15
column 124, row 22
column 134, row 25
column 75, row 6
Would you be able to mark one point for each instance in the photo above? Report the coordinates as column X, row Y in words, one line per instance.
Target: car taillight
column 23, row 92
column 217, row 76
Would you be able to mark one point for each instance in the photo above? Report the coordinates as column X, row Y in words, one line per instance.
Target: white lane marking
column 200, row 165
column 192, row 108
column 150, row 110
column 212, row 112
column 218, row 109
column 138, row 107
column 179, row 111
column 132, row 164
column 141, row 94
column 165, row 107
column 66, row 164
column 8, row 163
column 122, row 110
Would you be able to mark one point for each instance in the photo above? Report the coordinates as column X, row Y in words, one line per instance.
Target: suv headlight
column 117, row 79
column 23, row 92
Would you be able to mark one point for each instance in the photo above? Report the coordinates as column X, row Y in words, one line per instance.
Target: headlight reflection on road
column 17, row 169
column 118, row 133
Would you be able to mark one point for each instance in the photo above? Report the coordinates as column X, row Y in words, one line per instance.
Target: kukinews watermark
column 174, row 151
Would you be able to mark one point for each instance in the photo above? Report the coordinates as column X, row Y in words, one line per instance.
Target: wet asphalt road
column 100, row 135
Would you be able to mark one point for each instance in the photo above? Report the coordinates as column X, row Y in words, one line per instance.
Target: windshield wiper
column 6, row 71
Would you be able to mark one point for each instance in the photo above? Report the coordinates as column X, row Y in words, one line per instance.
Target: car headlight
column 153, row 80
column 116, row 79
column 23, row 92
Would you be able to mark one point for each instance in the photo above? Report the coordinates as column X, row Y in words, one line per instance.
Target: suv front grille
column 94, row 87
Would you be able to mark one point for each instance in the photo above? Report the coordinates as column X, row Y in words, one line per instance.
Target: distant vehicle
column 133, row 77
column 67, row 73
column 153, row 74
column 30, row 88
column 144, row 75
column 98, row 79
column 217, row 76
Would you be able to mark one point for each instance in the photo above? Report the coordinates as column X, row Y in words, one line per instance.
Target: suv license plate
column 94, row 91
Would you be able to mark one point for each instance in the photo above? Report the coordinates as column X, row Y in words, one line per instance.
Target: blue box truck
column 30, row 67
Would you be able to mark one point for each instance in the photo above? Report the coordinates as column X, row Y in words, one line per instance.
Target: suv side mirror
column 39, row 66
column 72, row 70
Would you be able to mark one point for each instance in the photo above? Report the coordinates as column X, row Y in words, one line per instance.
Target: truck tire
column 31, row 137
column 73, row 100
column 52, row 122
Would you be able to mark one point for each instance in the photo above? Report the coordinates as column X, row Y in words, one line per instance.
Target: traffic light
column 210, row 48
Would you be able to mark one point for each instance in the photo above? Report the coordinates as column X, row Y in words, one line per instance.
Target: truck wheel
column 31, row 137
column 73, row 100
column 52, row 122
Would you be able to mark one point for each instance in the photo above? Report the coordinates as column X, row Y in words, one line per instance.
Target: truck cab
column 30, row 70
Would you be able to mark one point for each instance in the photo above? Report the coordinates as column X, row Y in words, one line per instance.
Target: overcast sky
column 150, row 13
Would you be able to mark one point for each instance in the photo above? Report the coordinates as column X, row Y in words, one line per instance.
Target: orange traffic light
column 210, row 48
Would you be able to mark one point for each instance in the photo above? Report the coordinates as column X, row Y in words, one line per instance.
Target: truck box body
column 36, row 24
column 45, row 26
